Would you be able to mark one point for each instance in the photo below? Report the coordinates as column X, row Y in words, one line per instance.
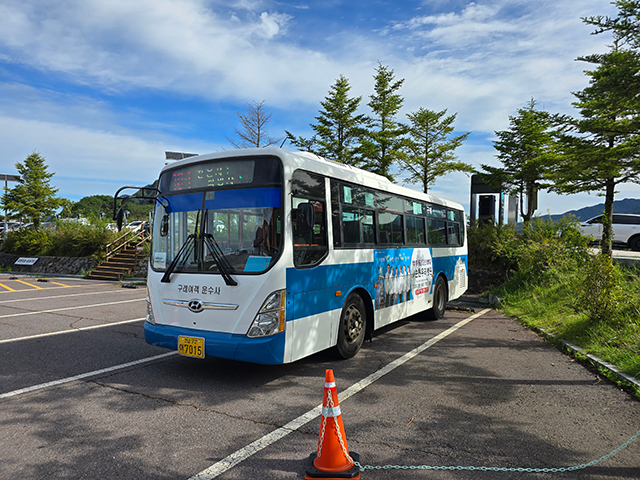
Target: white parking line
column 244, row 453
column 71, row 330
column 84, row 375
column 33, row 299
column 71, row 308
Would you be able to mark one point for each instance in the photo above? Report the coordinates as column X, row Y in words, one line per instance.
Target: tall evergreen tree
column 524, row 151
column 625, row 27
column 339, row 129
column 604, row 149
column 429, row 151
column 382, row 141
column 33, row 197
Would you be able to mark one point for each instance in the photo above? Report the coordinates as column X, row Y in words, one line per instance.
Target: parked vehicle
column 625, row 226
column 135, row 226
column 269, row 256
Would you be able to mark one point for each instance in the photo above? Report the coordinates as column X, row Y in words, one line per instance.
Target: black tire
column 353, row 322
column 634, row 244
column 440, row 297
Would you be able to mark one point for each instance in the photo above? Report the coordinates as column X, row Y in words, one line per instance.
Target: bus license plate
column 191, row 346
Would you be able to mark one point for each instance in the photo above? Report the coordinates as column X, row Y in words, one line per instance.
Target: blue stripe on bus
column 225, row 199
column 244, row 198
column 314, row 289
column 267, row 350
column 184, row 203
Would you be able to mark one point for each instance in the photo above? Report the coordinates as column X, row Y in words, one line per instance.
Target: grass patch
column 555, row 285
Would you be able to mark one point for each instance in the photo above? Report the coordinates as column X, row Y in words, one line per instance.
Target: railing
column 126, row 240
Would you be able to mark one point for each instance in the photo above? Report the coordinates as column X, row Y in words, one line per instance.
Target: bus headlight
column 271, row 317
column 150, row 318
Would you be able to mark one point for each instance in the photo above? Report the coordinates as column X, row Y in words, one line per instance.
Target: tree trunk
column 607, row 229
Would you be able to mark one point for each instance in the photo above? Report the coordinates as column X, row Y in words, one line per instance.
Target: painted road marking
column 54, row 383
column 66, row 286
column 33, row 299
column 71, row 308
column 8, row 288
column 61, row 284
column 72, row 330
column 29, row 284
column 245, row 452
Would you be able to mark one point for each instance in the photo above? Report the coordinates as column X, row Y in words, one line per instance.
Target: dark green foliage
column 91, row 207
column 625, row 27
column 541, row 249
column 339, row 128
column 68, row 239
column 602, row 150
column 382, row 140
column 429, row 149
column 525, row 151
column 600, row 289
column 33, row 197
column 554, row 283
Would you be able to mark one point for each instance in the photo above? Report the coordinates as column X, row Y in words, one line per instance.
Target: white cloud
column 242, row 50
column 87, row 161
column 272, row 24
column 483, row 61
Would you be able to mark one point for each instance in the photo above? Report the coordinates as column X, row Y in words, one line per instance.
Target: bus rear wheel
column 439, row 300
column 353, row 321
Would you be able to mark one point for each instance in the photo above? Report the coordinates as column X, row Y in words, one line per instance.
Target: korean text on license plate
column 191, row 346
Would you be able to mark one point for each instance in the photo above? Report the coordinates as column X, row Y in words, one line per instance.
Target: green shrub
column 68, row 239
column 600, row 289
column 27, row 242
column 555, row 284
column 541, row 248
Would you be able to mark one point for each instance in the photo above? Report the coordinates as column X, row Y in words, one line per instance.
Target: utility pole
column 7, row 178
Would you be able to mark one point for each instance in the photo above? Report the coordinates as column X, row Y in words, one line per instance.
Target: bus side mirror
column 306, row 217
column 164, row 225
column 120, row 218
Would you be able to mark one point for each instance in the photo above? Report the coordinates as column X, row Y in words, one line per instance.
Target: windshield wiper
column 223, row 264
column 185, row 251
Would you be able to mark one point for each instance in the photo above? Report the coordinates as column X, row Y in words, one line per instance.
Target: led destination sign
column 212, row 174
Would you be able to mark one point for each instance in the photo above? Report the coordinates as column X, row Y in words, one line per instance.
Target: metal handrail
column 127, row 240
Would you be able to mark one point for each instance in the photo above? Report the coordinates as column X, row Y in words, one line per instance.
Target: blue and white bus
column 268, row 256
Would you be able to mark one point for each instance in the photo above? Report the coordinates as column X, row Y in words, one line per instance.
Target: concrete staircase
column 122, row 257
column 116, row 267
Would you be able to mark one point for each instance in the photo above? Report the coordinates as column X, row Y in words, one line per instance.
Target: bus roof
column 313, row 163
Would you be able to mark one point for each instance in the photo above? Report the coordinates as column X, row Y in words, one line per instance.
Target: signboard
column 26, row 261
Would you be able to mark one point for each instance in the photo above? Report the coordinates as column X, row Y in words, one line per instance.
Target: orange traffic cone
column 333, row 460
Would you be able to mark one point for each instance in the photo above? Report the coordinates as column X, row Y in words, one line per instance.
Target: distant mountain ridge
column 628, row 205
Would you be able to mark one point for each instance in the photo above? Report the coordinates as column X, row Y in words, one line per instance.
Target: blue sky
column 103, row 88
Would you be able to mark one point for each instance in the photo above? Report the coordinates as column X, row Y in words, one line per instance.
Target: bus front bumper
column 265, row 350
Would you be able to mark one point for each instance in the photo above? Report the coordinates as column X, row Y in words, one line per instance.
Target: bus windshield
column 233, row 231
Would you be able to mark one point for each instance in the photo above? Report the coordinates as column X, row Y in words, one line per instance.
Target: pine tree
column 338, row 131
column 429, row 149
column 604, row 150
column 33, row 197
column 524, row 151
column 382, row 141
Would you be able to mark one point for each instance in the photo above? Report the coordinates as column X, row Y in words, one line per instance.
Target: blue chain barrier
column 503, row 469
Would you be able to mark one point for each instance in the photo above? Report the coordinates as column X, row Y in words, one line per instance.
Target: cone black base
column 312, row 472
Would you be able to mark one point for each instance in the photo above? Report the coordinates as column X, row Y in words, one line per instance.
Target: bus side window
column 436, row 231
column 309, row 219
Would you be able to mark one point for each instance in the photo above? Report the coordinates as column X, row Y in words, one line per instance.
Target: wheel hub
column 353, row 324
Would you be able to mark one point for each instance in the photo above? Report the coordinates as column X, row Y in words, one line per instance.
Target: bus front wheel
column 439, row 300
column 353, row 321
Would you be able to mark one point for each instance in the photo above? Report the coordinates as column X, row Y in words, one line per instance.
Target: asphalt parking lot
column 83, row 396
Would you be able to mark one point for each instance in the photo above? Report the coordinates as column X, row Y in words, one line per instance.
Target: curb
column 621, row 376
